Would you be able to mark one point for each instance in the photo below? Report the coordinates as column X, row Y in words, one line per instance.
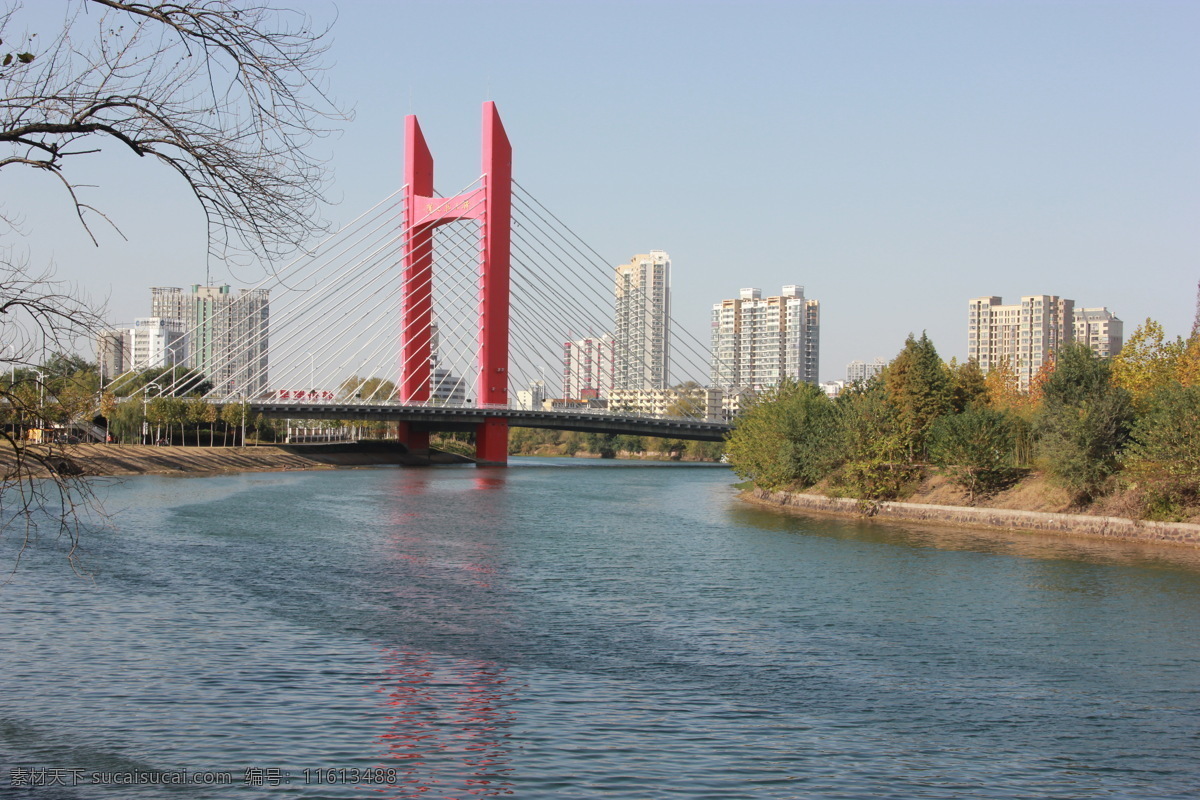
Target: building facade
column 588, row 367
column 227, row 333
column 1026, row 335
column 641, row 339
column 151, row 342
column 113, row 353
column 691, row 402
column 757, row 342
column 157, row 342
column 861, row 371
column 1100, row 330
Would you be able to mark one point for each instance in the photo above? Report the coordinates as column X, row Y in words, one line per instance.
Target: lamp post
column 242, row 395
column 146, row 409
column 41, row 409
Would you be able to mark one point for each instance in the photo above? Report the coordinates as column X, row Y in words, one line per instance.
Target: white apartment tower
column 157, row 342
column 641, row 357
column 227, row 333
column 588, row 367
column 1100, row 330
column 151, row 342
column 759, row 341
column 1024, row 335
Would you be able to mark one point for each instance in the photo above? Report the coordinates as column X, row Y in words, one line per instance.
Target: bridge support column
column 491, row 442
column 417, row 442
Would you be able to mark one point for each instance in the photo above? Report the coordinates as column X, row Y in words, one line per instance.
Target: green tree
column 197, row 414
column 687, row 400
column 919, row 387
column 1164, row 452
column 1084, row 422
column 126, row 420
column 367, row 389
column 975, row 449
column 788, row 435
column 968, row 385
column 630, row 444
column 875, row 446
column 176, row 381
column 233, row 415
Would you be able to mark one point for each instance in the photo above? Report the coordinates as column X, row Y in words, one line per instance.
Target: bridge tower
column 491, row 205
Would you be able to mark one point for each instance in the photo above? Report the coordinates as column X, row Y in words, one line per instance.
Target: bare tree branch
column 226, row 94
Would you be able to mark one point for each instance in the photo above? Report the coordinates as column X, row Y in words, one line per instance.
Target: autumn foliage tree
column 1148, row 362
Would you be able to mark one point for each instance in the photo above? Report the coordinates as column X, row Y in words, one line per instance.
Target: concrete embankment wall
column 1070, row 524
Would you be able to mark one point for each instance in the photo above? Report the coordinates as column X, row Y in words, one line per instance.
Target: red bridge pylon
column 491, row 205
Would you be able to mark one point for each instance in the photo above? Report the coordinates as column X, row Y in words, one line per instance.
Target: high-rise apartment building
column 1026, row 335
column 641, row 346
column 227, row 333
column 588, row 366
column 1100, row 330
column 759, row 341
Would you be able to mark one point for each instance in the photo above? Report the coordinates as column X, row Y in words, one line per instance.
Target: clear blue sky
column 896, row 158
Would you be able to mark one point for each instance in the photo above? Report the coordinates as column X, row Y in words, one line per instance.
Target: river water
column 567, row 629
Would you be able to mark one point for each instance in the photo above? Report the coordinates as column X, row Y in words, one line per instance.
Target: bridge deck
column 454, row 418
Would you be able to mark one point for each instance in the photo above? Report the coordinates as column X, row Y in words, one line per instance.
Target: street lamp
column 242, row 395
column 41, row 409
column 146, row 409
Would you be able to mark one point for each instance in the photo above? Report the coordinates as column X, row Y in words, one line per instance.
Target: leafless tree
column 228, row 95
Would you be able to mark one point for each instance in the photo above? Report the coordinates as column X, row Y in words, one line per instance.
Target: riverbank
column 1091, row 526
column 132, row 459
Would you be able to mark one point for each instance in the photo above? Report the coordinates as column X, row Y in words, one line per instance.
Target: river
column 582, row 629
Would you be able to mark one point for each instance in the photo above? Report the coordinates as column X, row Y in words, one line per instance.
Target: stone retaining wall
column 1072, row 524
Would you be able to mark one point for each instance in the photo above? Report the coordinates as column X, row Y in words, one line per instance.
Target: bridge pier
column 417, row 442
column 491, row 442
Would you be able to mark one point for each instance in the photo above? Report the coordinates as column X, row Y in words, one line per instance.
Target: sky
column 895, row 158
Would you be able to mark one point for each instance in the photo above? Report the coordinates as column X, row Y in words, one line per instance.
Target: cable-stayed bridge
column 436, row 312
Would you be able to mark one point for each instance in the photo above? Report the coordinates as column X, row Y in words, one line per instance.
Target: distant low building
column 833, row 388
column 697, row 402
column 861, row 371
column 533, row 398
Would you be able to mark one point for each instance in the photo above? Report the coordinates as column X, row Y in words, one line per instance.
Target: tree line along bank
column 1093, row 426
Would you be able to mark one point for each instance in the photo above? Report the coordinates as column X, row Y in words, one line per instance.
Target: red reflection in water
column 448, row 726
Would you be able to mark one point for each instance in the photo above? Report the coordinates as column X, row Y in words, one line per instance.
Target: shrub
column 1164, row 454
column 787, row 436
column 1084, row 422
column 975, row 449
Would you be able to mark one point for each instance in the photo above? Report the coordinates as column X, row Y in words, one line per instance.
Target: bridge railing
column 444, row 406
